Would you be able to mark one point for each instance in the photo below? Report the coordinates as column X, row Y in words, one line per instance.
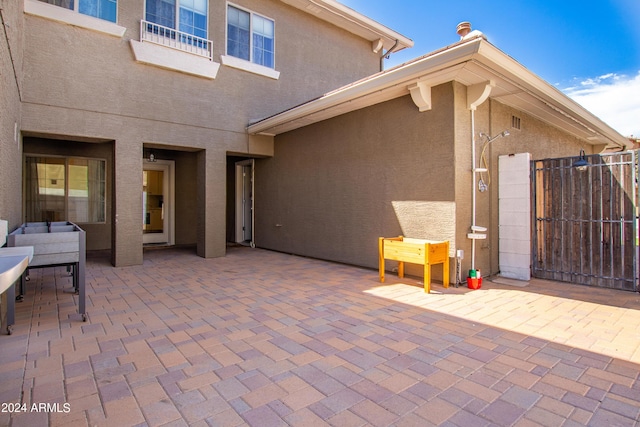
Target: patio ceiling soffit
column 477, row 64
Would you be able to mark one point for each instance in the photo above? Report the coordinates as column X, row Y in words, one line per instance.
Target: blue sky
column 588, row 50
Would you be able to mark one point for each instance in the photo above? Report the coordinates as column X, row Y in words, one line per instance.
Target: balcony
column 186, row 53
column 165, row 36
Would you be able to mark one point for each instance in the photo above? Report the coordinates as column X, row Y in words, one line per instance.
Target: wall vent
column 515, row 122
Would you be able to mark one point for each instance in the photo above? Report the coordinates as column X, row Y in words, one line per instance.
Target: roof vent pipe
column 463, row 29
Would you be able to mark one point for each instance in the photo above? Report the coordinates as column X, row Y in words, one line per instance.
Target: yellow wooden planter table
column 416, row 251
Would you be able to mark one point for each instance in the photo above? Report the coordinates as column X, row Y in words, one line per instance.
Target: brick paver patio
column 267, row 339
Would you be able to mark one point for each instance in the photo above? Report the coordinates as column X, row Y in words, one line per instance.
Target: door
column 244, row 202
column 584, row 221
column 157, row 203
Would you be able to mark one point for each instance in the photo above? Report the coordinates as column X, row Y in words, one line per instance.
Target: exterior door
column 244, row 202
column 584, row 221
column 157, row 203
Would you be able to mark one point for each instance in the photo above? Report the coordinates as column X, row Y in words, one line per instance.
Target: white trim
column 241, row 64
column 478, row 93
column 173, row 59
column 66, row 16
column 469, row 62
column 421, row 95
column 169, row 167
column 240, row 203
column 177, row 12
column 348, row 19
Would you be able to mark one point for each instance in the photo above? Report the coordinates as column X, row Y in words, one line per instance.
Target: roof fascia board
column 442, row 60
column 446, row 65
column 352, row 21
column 497, row 61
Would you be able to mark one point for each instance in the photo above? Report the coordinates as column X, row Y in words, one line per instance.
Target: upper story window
column 187, row 16
column 103, row 9
column 250, row 37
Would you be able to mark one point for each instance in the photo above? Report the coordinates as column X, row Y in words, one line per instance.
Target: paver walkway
column 267, row 339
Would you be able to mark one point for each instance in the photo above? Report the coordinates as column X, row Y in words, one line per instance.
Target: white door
column 514, row 212
column 244, row 202
column 157, row 202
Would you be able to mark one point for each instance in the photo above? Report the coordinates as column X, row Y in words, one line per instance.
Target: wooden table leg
column 381, row 259
column 427, row 278
column 445, row 272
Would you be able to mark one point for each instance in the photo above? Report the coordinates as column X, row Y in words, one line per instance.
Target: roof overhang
column 348, row 19
column 470, row 62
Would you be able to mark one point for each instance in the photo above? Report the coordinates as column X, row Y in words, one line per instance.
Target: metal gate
column 584, row 221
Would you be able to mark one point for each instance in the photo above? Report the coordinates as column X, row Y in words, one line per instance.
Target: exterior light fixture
column 152, row 157
column 582, row 163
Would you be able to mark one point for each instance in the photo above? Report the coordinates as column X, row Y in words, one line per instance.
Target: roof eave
column 601, row 132
column 469, row 62
column 377, row 83
column 354, row 22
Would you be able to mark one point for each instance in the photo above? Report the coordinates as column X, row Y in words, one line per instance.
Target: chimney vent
column 463, row 29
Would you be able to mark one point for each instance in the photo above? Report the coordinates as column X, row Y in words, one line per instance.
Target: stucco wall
column 334, row 187
column 10, row 123
column 86, row 85
column 186, row 197
column 539, row 139
column 86, row 70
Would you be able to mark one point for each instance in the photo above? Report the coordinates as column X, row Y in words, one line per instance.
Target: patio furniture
column 416, row 251
column 55, row 244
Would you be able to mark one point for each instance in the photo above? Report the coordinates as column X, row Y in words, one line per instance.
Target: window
column 191, row 15
column 65, row 189
column 103, row 9
column 250, row 37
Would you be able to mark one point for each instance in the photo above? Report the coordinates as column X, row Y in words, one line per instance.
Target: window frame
column 68, row 16
column 76, row 9
column 251, row 33
column 67, row 160
column 176, row 25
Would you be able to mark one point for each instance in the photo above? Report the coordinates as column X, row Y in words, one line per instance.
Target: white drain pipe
column 473, row 187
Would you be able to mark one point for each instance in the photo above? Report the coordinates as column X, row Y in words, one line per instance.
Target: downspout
column 476, row 95
column 387, row 54
column 473, row 187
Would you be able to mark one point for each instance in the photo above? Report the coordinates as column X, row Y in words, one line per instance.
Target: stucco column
column 127, row 203
column 211, row 204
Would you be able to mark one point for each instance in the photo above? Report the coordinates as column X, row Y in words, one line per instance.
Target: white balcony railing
column 165, row 36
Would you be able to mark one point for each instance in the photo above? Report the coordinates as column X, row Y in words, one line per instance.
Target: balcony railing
column 165, row 36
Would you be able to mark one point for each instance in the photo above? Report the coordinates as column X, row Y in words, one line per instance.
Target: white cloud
column 614, row 98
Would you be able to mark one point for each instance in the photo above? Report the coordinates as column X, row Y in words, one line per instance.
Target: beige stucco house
column 100, row 86
column 414, row 151
column 268, row 122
